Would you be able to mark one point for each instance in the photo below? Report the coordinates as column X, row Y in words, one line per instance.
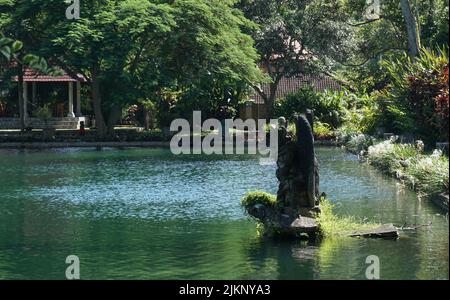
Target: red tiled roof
column 293, row 84
column 31, row 75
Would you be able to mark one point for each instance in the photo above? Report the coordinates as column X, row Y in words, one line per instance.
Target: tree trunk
column 97, row 104
column 411, row 26
column 22, row 113
column 269, row 106
column 146, row 119
column 113, row 118
column 270, row 99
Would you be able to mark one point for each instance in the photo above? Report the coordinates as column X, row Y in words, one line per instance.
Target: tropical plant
column 327, row 107
column 426, row 173
column 9, row 48
column 418, row 93
column 322, row 131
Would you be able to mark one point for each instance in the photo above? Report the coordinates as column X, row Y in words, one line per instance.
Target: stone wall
column 251, row 110
column 58, row 123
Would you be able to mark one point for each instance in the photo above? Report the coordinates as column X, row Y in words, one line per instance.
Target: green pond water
column 145, row 214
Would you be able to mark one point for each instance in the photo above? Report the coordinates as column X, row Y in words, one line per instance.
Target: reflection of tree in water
column 282, row 259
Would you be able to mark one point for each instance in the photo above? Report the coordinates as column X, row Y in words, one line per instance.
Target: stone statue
column 298, row 171
column 298, row 197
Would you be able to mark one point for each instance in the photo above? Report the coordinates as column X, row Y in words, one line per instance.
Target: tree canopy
column 208, row 54
column 137, row 49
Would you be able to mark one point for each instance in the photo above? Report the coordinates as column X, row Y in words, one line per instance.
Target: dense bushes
column 323, row 131
column 357, row 143
column 418, row 95
column 414, row 103
column 332, row 109
column 327, row 107
column 427, row 174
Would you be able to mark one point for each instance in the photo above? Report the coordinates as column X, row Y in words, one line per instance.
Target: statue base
column 281, row 223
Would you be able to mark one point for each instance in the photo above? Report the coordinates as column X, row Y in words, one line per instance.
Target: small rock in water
column 384, row 231
column 305, row 225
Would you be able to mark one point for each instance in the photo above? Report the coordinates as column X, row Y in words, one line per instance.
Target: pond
column 146, row 214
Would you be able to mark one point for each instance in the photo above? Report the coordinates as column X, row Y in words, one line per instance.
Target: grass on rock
column 331, row 225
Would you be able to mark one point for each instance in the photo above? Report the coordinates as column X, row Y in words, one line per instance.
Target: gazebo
column 69, row 119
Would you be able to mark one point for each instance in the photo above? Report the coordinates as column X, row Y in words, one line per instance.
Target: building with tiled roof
column 256, row 109
column 31, row 75
column 291, row 85
column 67, row 112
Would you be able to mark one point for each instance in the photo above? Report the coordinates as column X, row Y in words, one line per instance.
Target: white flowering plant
column 427, row 174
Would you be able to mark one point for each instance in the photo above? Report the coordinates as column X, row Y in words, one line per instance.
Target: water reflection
column 137, row 214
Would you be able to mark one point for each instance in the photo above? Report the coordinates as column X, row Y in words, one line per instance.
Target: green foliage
column 297, row 37
column 134, row 49
column 9, row 47
column 296, row 103
column 417, row 98
column 216, row 64
column 393, row 116
column 414, row 100
column 332, row 225
column 43, row 113
column 253, row 198
column 428, row 174
column 148, row 104
column 326, row 107
column 361, row 118
column 387, row 37
column 359, row 143
column 322, row 131
column 351, row 112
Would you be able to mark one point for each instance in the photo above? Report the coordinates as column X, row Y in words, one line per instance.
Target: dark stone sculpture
column 297, row 172
column 298, row 197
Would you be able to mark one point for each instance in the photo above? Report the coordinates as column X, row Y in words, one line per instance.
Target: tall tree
column 387, row 35
column 412, row 29
column 212, row 61
column 12, row 54
column 295, row 37
column 134, row 49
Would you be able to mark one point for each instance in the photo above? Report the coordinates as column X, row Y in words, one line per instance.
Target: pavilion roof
column 31, row 75
column 319, row 83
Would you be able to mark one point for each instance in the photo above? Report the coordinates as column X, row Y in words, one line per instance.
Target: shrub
column 419, row 89
column 359, row 143
column 345, row 133
column 394, row 117
column 332, row 225
column 253, row 198
column 296, row 103
column 427, row 174
column 322, row 131
column 363, row 113
column 43, row 113
column 327, row 107
column 390, row 157
column 330, row 108
column 354, row 140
